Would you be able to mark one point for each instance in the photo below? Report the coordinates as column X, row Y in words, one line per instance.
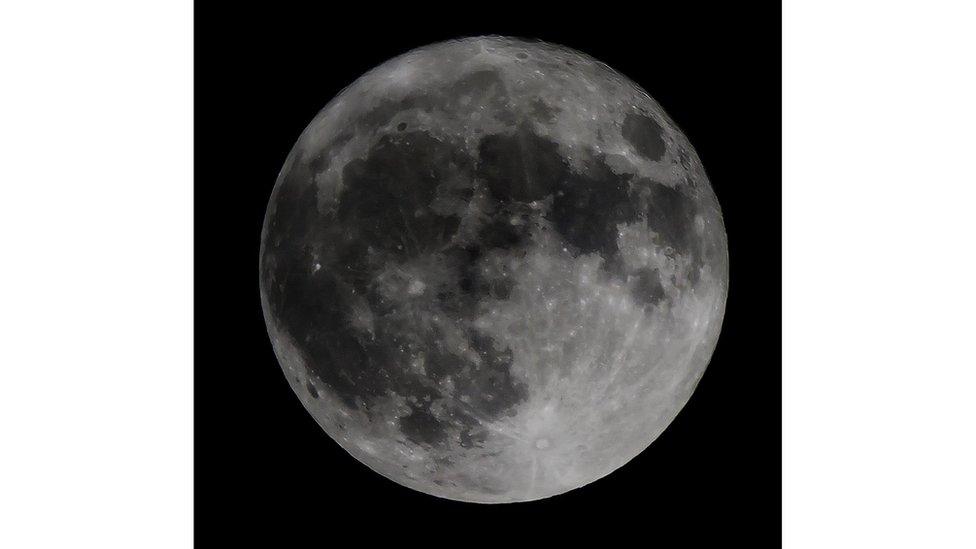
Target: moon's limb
column 493, row 270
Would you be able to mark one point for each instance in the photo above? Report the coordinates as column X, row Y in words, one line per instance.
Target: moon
column 493, row 270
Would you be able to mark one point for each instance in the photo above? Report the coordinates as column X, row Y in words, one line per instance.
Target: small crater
column 522, row 55
column 648, row 290
column 501, row 289
column 542, row 443
column 645, row 135
column 423, row 427
column 472, row 437
column 542, row 111
column 520, row 167
column 401, row 126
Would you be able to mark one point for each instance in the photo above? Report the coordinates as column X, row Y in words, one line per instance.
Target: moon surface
column 493, row 270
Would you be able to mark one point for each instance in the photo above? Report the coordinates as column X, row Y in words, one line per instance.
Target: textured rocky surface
column 493, row 270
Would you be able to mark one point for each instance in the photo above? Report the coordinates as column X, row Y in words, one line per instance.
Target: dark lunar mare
column 319, row 266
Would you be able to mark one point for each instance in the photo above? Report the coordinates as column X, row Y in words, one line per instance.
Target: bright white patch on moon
column 493, row 270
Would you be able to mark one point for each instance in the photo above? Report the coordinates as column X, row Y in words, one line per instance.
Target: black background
column 265, row 472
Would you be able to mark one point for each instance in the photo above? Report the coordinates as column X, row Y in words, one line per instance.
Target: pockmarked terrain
column 493, row 270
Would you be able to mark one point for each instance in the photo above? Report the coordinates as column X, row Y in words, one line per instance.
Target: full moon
column 493, row 270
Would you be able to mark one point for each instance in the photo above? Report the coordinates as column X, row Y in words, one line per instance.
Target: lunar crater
column 493, row 270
